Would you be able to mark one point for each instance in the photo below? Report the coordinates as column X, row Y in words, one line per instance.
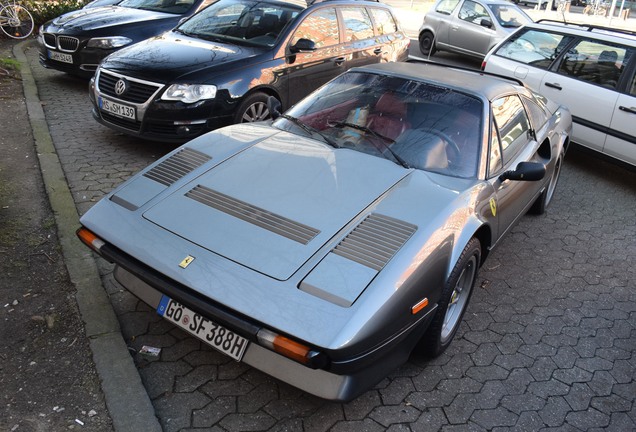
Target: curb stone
column 128, row 403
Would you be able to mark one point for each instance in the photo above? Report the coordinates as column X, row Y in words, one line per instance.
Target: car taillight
column 483, row 65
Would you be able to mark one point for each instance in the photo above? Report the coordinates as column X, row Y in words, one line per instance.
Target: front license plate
column 61, row 57
column 117, row 109
column 215, row 335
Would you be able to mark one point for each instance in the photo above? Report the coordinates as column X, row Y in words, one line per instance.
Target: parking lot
column 548, row 341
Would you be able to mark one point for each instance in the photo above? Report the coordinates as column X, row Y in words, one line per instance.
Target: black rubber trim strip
column 181, row 293
column 604, row 129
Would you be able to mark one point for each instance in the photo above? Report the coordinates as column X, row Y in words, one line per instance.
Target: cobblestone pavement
column 548, row 341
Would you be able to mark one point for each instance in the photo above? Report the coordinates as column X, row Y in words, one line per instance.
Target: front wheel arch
column 453, row 302
column 256, row 95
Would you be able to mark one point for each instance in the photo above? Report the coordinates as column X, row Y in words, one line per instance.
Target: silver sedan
column 470, row 27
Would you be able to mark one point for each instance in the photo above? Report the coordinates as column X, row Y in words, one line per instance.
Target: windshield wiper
column 384, row 139
column 312, row 131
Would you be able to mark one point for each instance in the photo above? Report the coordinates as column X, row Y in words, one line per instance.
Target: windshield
column 243, row 22
column 509, row 16
column 415, row 124
column 168, row 6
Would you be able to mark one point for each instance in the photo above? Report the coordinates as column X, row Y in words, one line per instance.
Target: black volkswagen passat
column 77, row 41
column 220, row 66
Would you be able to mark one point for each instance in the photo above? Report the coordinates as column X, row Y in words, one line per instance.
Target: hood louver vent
column 254, row 215
column 375, row 240
column 177, row 166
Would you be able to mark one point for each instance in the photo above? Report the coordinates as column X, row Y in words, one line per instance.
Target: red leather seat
column 388, row 117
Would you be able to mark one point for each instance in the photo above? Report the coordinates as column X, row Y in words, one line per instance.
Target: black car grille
column 136, row 93
column 67, row 43
column 49, row 39
column 64, row 43
column 171, row 129
column 131, row 125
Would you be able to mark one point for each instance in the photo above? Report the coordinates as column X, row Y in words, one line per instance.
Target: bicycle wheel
column 16, row 22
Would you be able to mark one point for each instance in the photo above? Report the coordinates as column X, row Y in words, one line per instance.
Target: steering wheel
column 450, row 144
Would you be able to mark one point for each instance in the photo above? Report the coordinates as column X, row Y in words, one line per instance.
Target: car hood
column 107, row 16
column 171, row 55
column 274, row 205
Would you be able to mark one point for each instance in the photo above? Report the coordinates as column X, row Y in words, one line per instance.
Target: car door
column 307, row 70
column 441, row 20
column 467, row 34
column 393, row 42
column 360, row 45
column 527, row 55
column 621, row 137
column 586, row 80
column 511, row 143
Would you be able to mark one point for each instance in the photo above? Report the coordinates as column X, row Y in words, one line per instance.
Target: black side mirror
column 525, row 171
column 303, row 45
column 485, row 22
column 273, row 106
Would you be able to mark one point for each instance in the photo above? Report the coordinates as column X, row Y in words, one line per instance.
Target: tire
column 18, row 22
column 427, row 43
column 252, row 109
column 453, row 301
column 543, row 201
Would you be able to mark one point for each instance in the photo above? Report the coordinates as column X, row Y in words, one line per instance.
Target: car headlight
column 189, row 93
column 108, row 42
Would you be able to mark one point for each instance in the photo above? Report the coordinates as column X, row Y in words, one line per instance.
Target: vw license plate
column 61, row 57
column 120, row 110
column 215, row 335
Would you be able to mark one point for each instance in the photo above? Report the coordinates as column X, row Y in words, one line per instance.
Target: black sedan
column 220, row 66
column 78, row 41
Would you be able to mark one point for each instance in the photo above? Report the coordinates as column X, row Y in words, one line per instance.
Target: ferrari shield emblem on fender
column 493, row 206
column 186, row 261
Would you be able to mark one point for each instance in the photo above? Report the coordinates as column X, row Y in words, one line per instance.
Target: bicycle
column 15, row 20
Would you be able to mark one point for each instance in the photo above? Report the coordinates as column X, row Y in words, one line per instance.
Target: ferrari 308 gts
column 326, row 245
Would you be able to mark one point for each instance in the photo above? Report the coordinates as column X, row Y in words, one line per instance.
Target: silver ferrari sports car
column 324, row 247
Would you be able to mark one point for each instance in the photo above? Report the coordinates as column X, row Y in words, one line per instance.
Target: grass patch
column 9, row 64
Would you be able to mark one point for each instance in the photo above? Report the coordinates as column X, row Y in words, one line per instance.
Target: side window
column 534, row 47
column 633, row 87
column 321, row 27
column 512, row 122
column 472, row 12
column 594, row 62
column 538, row 116
column 446, row 6
column 384, row 21
column 495, row 160
column 357, row 23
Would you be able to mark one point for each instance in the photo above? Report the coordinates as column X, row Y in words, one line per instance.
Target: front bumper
column 84, row 61
column 157, row 120
column 339, row 380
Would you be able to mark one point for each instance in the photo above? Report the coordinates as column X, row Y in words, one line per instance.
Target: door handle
column 339, row 61
column 629, row 110
column 377, row 51
column 554, row 86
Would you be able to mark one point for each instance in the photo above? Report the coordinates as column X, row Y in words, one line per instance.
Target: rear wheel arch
column 426, row 41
